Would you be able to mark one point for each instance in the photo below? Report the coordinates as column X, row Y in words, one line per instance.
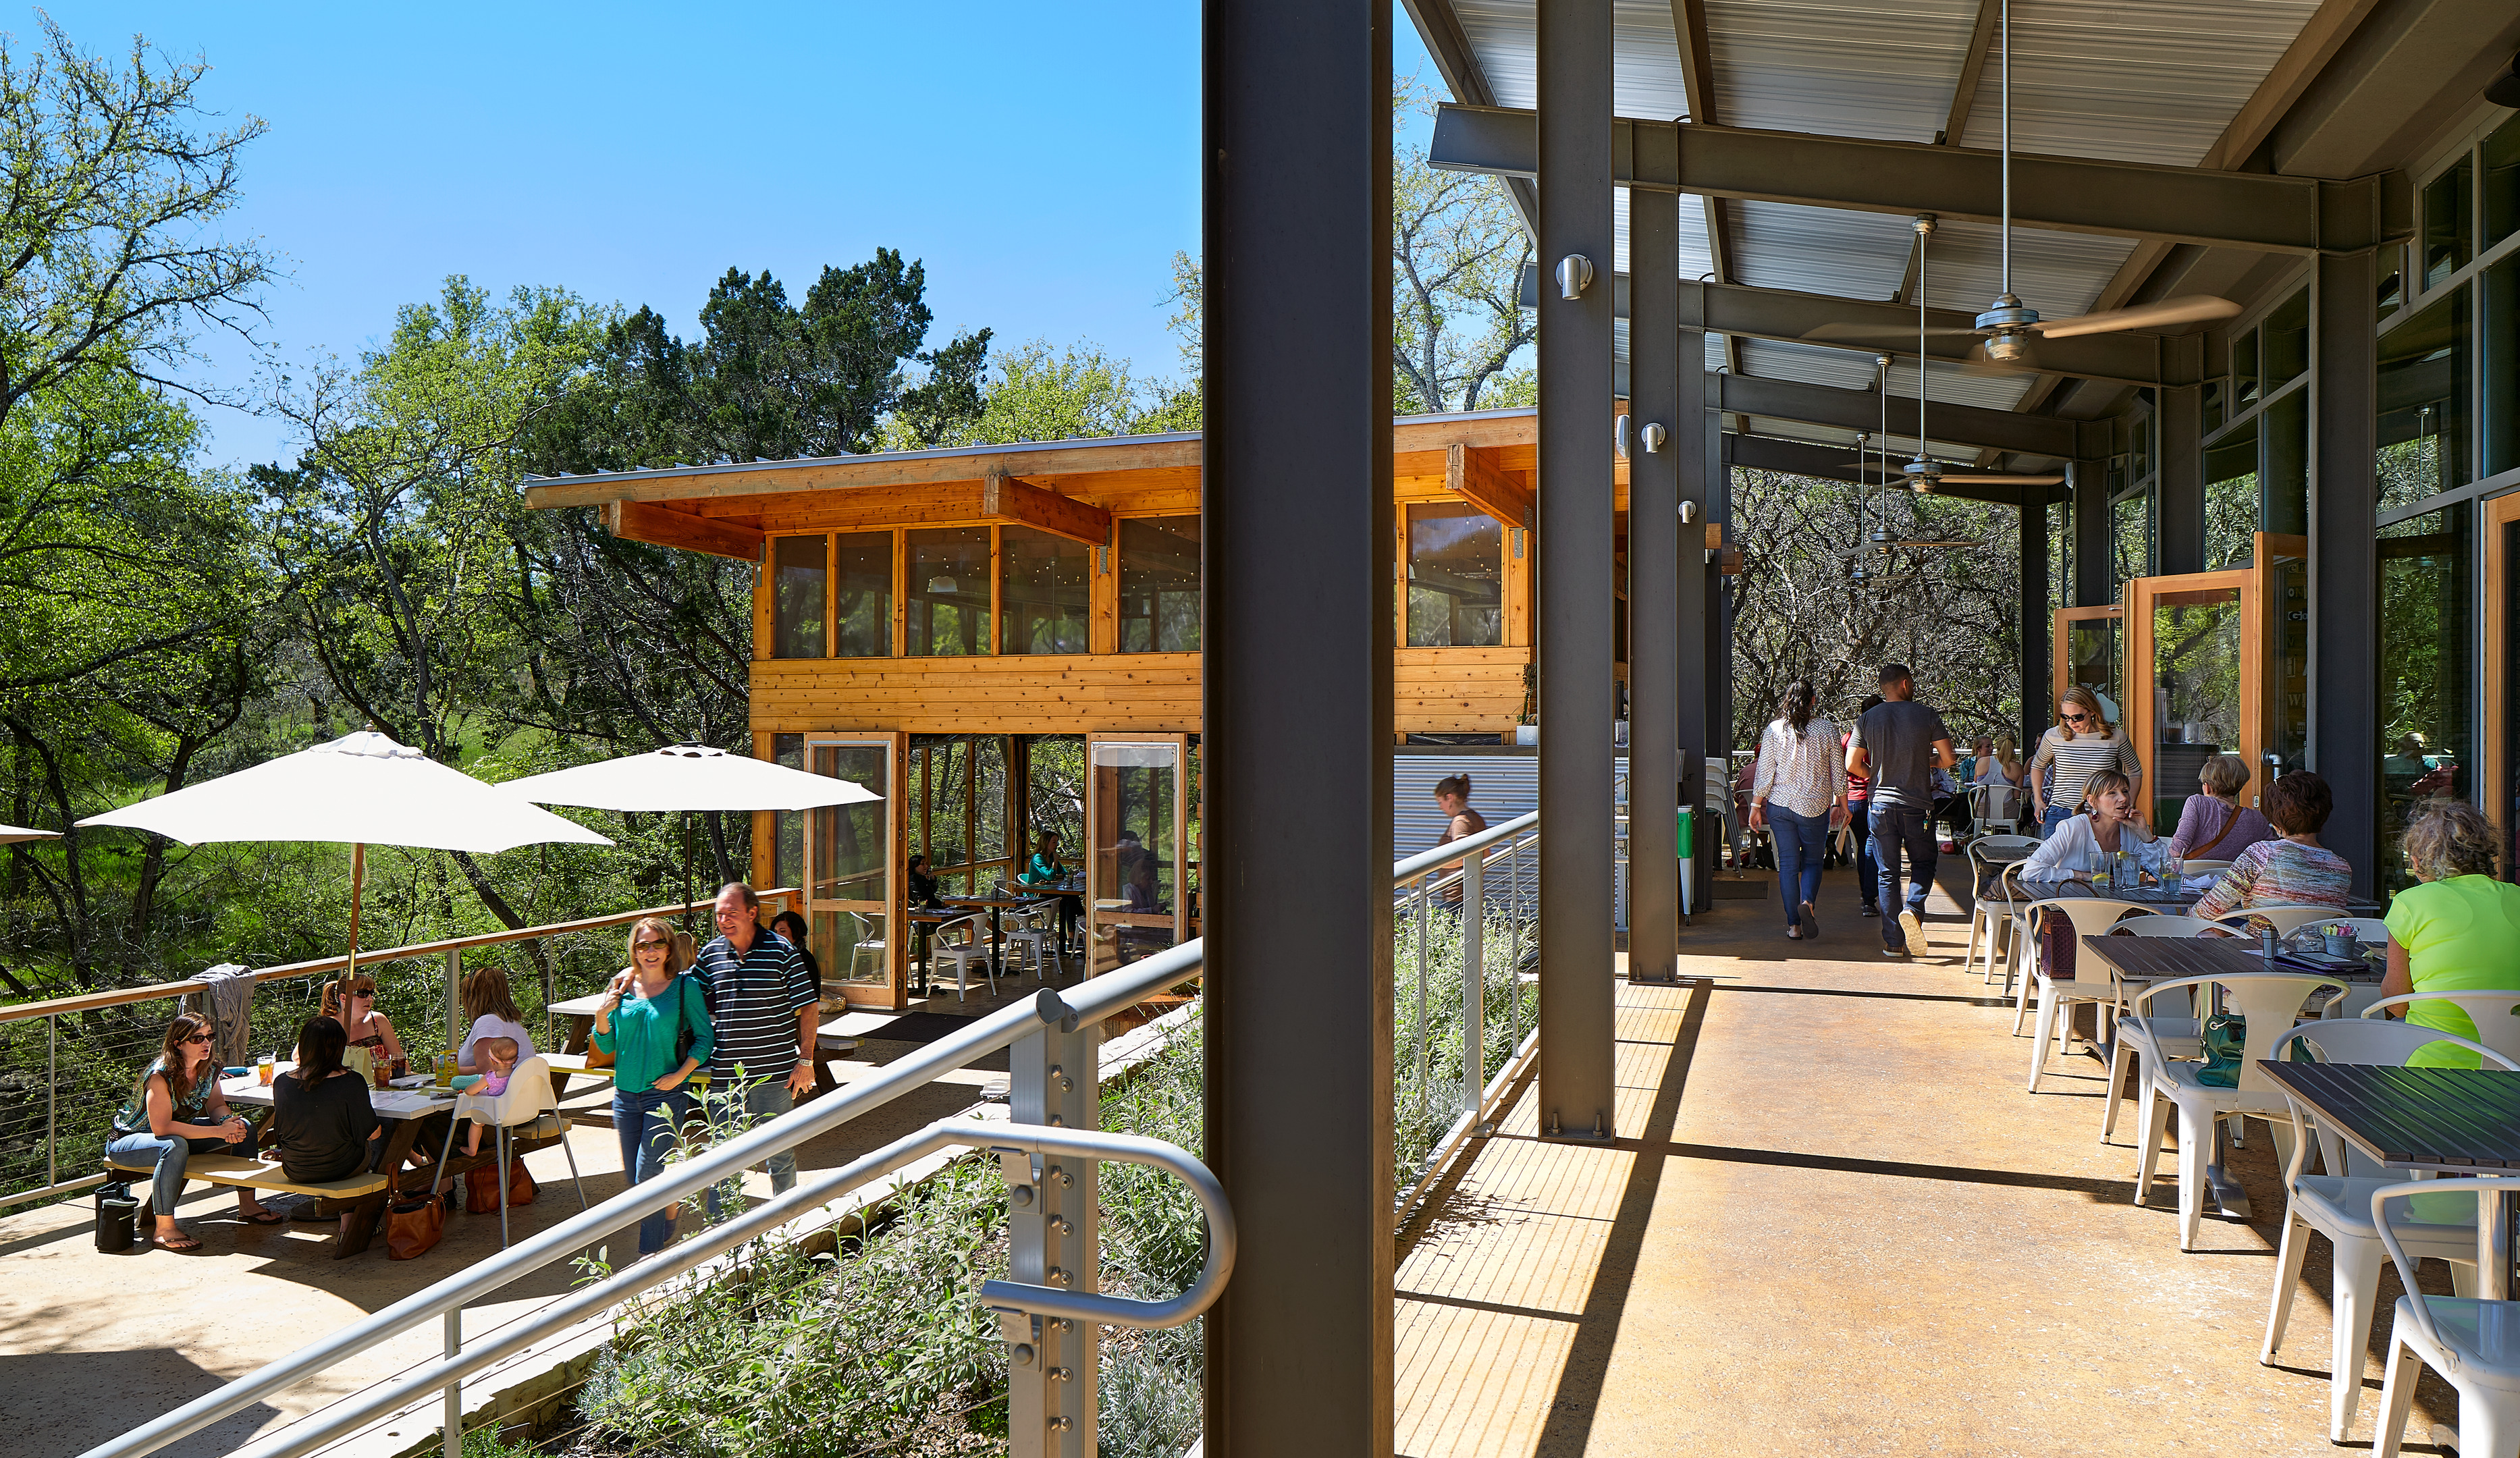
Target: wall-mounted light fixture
column 1687, row 512
column 1574, row 276
column 1654, row 437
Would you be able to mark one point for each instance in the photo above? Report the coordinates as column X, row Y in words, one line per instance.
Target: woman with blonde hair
column 655, row 1024
column 352, row 1001
column 493, row 1010
column 177, row 1111
column 2458, row 930
column 2081, row 745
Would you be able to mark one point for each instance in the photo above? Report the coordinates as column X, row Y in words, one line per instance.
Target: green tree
column 1458, row 252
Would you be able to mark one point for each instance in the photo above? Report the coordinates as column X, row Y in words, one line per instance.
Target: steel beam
column 1861, row 410
column 2094, row 536
column 1655, row 547
column 1715, row 641
column 2035, row 620
column 1575, row 565
column 1295, row 501
column 2180, row 436
column 1801, row 458
column 2344, row 559
column 2258, row 211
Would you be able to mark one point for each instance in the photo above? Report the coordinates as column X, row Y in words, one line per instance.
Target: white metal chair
column 2271, row 1003
column 1988, row 912
column 1996, row 802
column 1036, row 934
column 2120, row 1052
column 527, row 1110
column 2473, row 1344
column 2338, row 1206
column 864, row 943
column 2282, row 919
column 2190, row 870
column 2090, row 916
column 2494, row 1014
column 962, row 955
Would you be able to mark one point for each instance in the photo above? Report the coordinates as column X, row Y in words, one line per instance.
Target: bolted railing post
column 52, row 1099
column 452, row 1440
column 1473, row 983
column 1053, row 1363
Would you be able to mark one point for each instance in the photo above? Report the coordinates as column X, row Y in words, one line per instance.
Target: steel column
column 1295, row 503
column 2095, row 538
column 2180, row 436
column 450, row 1434
column 1656, row 362
column 2344, row 559
column 1697, row 449
column 1053, row 1363
column 1575, row 563
column 2034, row 648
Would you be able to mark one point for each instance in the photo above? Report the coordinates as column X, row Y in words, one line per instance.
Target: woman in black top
column 324, row 1126
column 922, row 883
column 791, row 925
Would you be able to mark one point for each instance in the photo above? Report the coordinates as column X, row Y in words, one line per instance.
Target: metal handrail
column 1089, row 1003
column 89, row 1002
column 1450, row 851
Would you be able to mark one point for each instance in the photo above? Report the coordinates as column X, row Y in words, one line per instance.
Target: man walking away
column 765, row 1006
column 1897, row 745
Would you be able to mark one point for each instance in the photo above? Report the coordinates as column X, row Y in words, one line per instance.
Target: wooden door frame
column 2257, row 585
column 896, row 838
column 2061, row 659
column 1093, row 889
column 2495, row 784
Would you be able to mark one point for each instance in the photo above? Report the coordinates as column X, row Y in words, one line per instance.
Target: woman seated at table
column 2214, row 825
column 2458, row 929
column 922, row 883
column 493, row 1010
column 177, row 1111
column 2079, row 847
column 658, row 1033
column 323, row 1125
column 352, row 1001
column 1045, row 872
column 2295, row 870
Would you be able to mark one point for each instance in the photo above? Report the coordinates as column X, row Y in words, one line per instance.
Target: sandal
column 181, row 1240
column 264, row 1217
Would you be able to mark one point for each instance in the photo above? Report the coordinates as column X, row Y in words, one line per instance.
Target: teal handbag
column 2226, row 1045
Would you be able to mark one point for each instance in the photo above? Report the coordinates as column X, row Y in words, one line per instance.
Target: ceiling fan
column 2008, row 325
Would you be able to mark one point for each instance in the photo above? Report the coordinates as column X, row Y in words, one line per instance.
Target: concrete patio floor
column 1833, row 1222
column 93, row 1344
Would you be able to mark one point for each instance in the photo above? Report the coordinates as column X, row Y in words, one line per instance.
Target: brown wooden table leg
column 364, row 1220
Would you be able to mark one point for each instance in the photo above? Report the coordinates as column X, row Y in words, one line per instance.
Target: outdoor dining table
column 403, row 1112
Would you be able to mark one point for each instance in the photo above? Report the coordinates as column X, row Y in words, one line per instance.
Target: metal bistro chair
column 2285, row 920
column 2490, row 1011
column 2090, row 916
column 864, row 943
column 2338, row 1206
column 961, row 955
column 2180, row 1041
column 2474, row 1344
column 1994, row 803
column 527, row 1110
column 1036, row 934
column 1993, row 910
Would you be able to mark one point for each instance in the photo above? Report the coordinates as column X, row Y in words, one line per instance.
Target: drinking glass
column 262, row 1071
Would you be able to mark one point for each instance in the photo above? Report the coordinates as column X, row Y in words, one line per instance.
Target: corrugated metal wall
column 1501, row 787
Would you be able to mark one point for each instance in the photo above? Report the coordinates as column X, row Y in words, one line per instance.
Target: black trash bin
column 118, row 1216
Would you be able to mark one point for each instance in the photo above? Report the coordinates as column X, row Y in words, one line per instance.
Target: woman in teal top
column 1044, row 870
column 2459, row 930
column 657, row 1030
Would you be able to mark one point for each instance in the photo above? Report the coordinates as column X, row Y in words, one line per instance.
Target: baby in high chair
column 501, row 1054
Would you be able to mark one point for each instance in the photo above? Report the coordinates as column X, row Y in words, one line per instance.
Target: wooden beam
column 1715, row 535
column 1023, row 504
column 858, row 472
column 662, row 526
column 1470, row 474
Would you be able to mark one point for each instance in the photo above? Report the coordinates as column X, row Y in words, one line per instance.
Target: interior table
column 993, row 903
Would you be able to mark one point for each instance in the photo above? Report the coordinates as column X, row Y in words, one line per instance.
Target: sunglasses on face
column 2077, row 718
column 650, row 946
column 368, row 993
column 200, row 1038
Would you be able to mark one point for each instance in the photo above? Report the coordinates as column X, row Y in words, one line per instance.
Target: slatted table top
column 2164, row 958
column 2452, row 1118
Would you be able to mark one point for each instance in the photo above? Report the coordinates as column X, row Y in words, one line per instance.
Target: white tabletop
column 579, row 1007
column 251, row 1092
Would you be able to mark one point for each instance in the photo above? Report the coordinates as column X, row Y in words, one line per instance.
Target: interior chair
column 1992, row 910
column 527, row 1110
column 2338, row 1206
column 973, row 949
column 2473, row 1344
column 2057, row 996
column 864, row 944
column 2495, row 1012
column 1994, row 803
column 1036, row 936
column 2272, row 1003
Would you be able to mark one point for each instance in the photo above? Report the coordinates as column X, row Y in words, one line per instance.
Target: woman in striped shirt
column 2080, row 747
column 1799, row 796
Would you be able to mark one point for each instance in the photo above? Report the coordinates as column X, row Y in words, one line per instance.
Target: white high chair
column 527, row 1105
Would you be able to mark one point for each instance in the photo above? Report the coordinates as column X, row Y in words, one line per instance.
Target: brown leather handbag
column 482, row 1187
column 414, row 1224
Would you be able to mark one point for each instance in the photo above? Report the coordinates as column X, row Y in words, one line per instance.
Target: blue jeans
column 163, row 1159
column 1867, row 871
column 647, row 1122
column 1800, row 841
column 2051, row 818
column 762, row 1101
column 1897, row 828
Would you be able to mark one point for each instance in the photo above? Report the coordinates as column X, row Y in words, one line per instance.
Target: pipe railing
column 1456, row 895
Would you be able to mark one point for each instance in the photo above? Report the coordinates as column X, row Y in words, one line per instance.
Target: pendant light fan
column 2008, row 325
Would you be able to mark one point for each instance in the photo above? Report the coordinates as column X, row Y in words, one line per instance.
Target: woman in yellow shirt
column 2459, row 930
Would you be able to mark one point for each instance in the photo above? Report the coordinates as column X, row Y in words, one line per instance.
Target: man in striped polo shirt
column 765, row 1007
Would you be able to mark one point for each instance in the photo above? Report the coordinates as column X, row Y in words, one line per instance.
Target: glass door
column 1137, row 872
column 2501, row 787
column 852, row 884
column 2090, row 649
column 2218, row 663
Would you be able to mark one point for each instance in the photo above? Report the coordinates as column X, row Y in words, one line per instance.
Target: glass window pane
column 849, row 886
column 2216, row 392
column 2424, row 395
column 2132, row 522
column 2503, row 183
column 2393, row 282
column 2285, row 356
column 2286, row 425
column 799, row 576
column 2448, row 208
column 1456, row 577
column 2502, row 366
column 947, row 595
column 1160, row 585
column 1135, row 878
column 2427, row 637
column 2230, row 497
column 1045, row 592
column 2285, row 735
column 2196, row 691
column 788, row 847
column 2244, row 371
column 864, row 592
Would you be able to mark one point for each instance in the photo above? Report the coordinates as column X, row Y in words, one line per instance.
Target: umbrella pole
column 358, row 875
column 687, row 871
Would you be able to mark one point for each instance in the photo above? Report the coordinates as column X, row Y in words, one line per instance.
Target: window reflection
column 799, row 585
column 2448, row 222
column 947, row 593
column 1045, row 592
column 2427, row 689
column 863, row 592
column 1160, row 585
column 1456, row 577
column 2286, row 425
column 2285, row 356
column 2230, row 497
column 2502, row 366
column 2503, row 183
column 787, row 846
column 2131, row 523
column 2424, row 393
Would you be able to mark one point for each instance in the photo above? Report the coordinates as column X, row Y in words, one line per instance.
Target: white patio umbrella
column 11, row 834
column 359, row 790
column 688, row 778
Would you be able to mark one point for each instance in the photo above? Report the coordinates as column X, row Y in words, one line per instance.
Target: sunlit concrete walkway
column 1835, row 1222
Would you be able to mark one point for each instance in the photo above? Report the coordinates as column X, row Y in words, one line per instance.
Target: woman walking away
column 1799, row 797
column 2294, row 871
column 657, row 1030
column 177, row 1111
column 2080, row 747
column 2215, row 825
column 2458, row 931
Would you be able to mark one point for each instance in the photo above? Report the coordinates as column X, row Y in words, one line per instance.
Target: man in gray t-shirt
column 1899, row 743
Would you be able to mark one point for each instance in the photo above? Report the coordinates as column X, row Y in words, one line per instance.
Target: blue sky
column 1041, row 158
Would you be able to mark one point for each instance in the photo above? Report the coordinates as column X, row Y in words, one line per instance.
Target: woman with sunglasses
column 655, row 1024
column 352, row 1001
column 177, row 1111
column 2080, row 747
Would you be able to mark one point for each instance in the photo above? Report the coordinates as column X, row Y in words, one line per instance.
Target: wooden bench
column 362, row 1197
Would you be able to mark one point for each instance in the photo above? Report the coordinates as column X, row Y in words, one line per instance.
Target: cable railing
column 90, row 1047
